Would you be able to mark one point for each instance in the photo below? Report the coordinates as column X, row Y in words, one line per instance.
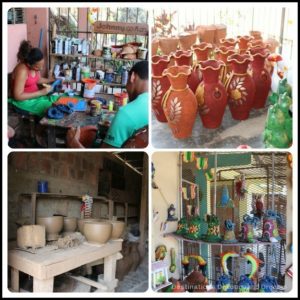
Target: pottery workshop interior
column 81, row 217
column 236, row 76
column 221, row 222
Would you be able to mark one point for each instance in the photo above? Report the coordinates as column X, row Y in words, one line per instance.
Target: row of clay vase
column 175, row 98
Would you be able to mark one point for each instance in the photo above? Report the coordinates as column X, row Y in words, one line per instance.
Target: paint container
column 142, row 53
column 95, row 108
column 43, row 186
column 89, row 88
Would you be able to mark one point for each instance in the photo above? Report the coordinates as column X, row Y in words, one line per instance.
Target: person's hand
column 46, row 90
column 73, row 136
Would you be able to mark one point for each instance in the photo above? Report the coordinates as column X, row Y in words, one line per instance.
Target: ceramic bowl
column 80, row 223
column 70, row 224
column 53, row 224
column 118, row 229
column 97, row 232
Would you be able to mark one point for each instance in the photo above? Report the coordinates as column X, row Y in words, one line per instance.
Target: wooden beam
column 15, row 279
column 90, row 282
column 43, row 285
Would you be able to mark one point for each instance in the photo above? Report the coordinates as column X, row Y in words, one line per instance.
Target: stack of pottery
column 240, row 87
column 243, row 43
column 168, row 44
column 179, row 102
column 222, row 54
column 187, row 39
column 211, row 94
column 53, row 225
column 160, row 85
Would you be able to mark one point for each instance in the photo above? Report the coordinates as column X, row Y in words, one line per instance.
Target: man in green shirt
column 130, row 117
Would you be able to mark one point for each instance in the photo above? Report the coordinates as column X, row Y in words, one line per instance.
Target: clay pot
column 154, row 46
column 243, row 43
column 97, row 232
column 240, row 87
column 88, row 135
column 221, row 31
column 256, row 35
column 31, row 236
column 230, row 42
column 211, row 94
column 179, row 103
column 185, row 58
column 168, row 44
column 202, row 51
column 80, row 223
column 53, row 226
column 206, row 33
column 222, row 54
column 261, row 76
column 70, row 224
column 118, row 229
column 160, row 85
column 186, row 40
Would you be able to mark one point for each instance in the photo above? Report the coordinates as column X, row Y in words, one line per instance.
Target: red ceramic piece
column 160, row 85
column 261, row 76
column 229, row 42
column 211, row 94
column 185, row 58
column 179, row 103
column 240, row 87
column 243, row 43
column 222, row 54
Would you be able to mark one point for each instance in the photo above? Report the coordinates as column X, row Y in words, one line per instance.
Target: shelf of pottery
column 204, row 71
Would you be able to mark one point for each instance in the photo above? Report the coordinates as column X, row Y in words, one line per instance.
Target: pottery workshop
column 77, row 222
column 222, row 77
column 74, row 74
column 222, row 222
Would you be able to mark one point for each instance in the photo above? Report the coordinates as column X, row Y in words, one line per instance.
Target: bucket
column 43, row 186
column 89, row 88
column 142, row 53
column 121, row 98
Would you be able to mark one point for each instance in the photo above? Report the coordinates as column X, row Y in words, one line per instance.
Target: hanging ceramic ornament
column 240, row 187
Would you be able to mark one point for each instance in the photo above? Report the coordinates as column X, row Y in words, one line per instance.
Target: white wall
column 167, row 178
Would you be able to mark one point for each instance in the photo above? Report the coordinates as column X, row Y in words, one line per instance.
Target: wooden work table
column 43, row 267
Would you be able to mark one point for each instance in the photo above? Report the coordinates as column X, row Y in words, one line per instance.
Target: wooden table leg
column 15, row 279
column 110, row 265
column 43, row 286
column 51, row 137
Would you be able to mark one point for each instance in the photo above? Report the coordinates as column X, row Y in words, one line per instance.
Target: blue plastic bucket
column 42, row 186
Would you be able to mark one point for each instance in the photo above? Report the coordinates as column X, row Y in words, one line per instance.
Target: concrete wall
column 167, row 178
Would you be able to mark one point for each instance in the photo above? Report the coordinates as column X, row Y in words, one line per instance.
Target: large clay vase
column 160, row 85
column 230, row 42
column 179, row 103
column 243, row 43
column 168, row 44
column 185, row 58
column 240, row 87
column 187, row 39
column 211, row 94
column 261, row 76
column 222, row 53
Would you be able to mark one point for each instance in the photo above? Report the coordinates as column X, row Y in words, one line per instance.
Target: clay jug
column 222, row 54
column 160, row 85
column 240, row 87
column 187, row 39
column 230, row 42
column 211, row 94
column 243, row 43
column 168, row 44
column 185, row 58
column 261, row 76
column 179, row 103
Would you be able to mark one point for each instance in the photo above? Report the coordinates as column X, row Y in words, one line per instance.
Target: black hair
column 28, row 54
column 141, row 69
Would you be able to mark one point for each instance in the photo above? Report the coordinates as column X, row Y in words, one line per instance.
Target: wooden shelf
column 53, row 195
column 98, row 82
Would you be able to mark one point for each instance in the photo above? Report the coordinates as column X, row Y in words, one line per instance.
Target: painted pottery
column 222, row 54
column 160, row 85
column 211, row 94
column 247, row 231
column 187, row 39
column 31, row 236
column 70, row 224
column 179, row 103
column 168, row 44
column 240, row 87
column 80, row 223
column 185, row 58
column 270, row 226
column 182, row 226
column 261, row 76
column 223, row 284
column 213, row 231
column 97, row 232
column 194, row 229
column 229, row 42
column 229, row 236
column 243, row 43
column 154, row 46
column 53, row 225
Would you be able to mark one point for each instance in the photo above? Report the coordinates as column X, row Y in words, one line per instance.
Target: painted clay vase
column 179, row 102
column 168, row 44
column 243, row 43
column 229, row 235
column 222, row 54
column 211, row 94
column 261, row 76
column 154, row 46
column 256, row 35
column 240, row 87
column 185, row 58
column 270, row 226
column 229, row 42
column 187, row 39
column 247, row 228
column 160, row 85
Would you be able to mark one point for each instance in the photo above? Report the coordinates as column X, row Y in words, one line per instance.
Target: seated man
column 130, row 117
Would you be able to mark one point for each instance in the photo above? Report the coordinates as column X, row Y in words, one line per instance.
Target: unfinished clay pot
column 80, row 223
column 97, row 232
column 168, row 44
column 230, row 42
column 88, row 135
column 70, row 224
column 53, row 225
column 31, row 236
column 243, row 43
column 118, row 229
column 187, row 39
column 222, row 54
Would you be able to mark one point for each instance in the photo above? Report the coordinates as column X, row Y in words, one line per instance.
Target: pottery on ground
column 243, row 43
column 187, row 39
column 97, row 232
column 53, row 225
column 31, row 236
column 229, row 42
column 80, row 223
column 179, row 103
column 160, row 85
column 222, row 54
column 168, row 44
column 70, row 224
column 240, row 87
column 211, row 94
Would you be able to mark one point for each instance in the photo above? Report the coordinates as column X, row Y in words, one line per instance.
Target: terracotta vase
column 211, row 94
column 243, row 43
column 206, row 33
column 154, row 46
column 168, row 44
column 221, row 31
column 187, row 39
column 256, row 35
column 230, row 42
column 160, row 85
column 179, row 103
column 222, row 54
column 261, row 76
column 240, row 87
column 185, row 58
